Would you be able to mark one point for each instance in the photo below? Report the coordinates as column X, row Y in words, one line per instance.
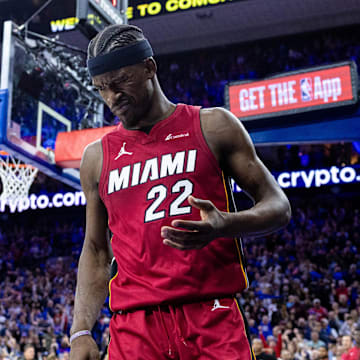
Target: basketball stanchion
column 16, row 177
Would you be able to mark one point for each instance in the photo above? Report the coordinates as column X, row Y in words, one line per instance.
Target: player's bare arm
column 94, row 263
column 233, row 149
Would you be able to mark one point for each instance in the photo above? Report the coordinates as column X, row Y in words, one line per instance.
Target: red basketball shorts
column 209, row 330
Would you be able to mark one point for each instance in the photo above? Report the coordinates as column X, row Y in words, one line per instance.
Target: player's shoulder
column 218, row 115
column 93, row 149
column 91, row 164
column 224, row 132
column 92, row 155
column 217, row 119
column 214, row 112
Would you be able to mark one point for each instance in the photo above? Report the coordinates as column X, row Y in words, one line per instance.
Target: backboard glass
column 41, row 96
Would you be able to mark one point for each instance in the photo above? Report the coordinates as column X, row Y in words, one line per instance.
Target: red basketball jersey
column 144, row 184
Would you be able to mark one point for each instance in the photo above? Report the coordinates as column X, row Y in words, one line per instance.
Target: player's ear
column 150, row 67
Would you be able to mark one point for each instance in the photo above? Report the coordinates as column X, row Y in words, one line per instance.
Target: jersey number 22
column 160, row 192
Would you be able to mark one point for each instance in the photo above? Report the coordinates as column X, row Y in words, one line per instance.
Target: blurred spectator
column 321, row 354
column 341, row 290
column 265, row 327
column 29, row 352
column 354, row 352
column 346, row 327
column 315, row 342
column 346, row 345
column 259, row 352
column 286, row 355
column 318, row 310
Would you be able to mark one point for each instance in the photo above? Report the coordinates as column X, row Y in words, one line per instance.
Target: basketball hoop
column 16, row 177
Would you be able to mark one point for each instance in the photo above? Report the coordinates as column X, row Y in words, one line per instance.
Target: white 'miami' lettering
column 136, row 174
column 118, row 182
column 190, row 167
column 171, row 166
column 152, row 170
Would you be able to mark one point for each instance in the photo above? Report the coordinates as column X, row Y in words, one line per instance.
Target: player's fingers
column 173, row 244
column 177, row 234
column 186, row 235
column 187, row 239
column 167, row 231
column 206, row 205
column 190, row 225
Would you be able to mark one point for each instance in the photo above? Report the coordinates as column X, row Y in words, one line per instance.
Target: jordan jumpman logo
column 218, row 306
column 123, row 151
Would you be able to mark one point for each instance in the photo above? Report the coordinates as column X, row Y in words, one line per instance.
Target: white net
column 16, row 177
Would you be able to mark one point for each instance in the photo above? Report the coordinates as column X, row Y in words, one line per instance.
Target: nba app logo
column 306, row 89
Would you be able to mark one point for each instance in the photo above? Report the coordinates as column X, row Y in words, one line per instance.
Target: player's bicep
column 241, row 161
column 251, row 175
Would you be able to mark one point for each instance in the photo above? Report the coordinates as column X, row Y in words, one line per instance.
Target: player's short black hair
column 114, row 37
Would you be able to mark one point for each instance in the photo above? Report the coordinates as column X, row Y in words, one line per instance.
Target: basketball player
column 159, row 181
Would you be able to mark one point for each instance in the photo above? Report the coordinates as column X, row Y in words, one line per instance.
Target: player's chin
column 127, row 118
column 122, row 111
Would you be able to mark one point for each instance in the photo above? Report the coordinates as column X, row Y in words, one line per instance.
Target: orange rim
column 18, row 166
column 22, row 166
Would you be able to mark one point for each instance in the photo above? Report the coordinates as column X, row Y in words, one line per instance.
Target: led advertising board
column 294, row 92
column 97, row 14
column 139, row 9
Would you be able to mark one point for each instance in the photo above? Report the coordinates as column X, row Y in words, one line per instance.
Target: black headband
column 125, row 56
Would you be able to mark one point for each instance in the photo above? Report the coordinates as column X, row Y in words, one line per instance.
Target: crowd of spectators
column 303, row 302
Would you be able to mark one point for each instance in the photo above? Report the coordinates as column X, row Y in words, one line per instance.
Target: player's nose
column 112, row 98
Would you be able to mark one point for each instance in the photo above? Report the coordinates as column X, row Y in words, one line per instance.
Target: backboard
column 42, row 94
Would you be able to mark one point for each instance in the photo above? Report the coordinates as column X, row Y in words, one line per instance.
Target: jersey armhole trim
column 230, row 202
column 104, row 168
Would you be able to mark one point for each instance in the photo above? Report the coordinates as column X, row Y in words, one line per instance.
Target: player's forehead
column 107, row 78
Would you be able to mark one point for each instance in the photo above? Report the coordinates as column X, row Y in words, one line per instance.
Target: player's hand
column 195, row 234
column 84, row 348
